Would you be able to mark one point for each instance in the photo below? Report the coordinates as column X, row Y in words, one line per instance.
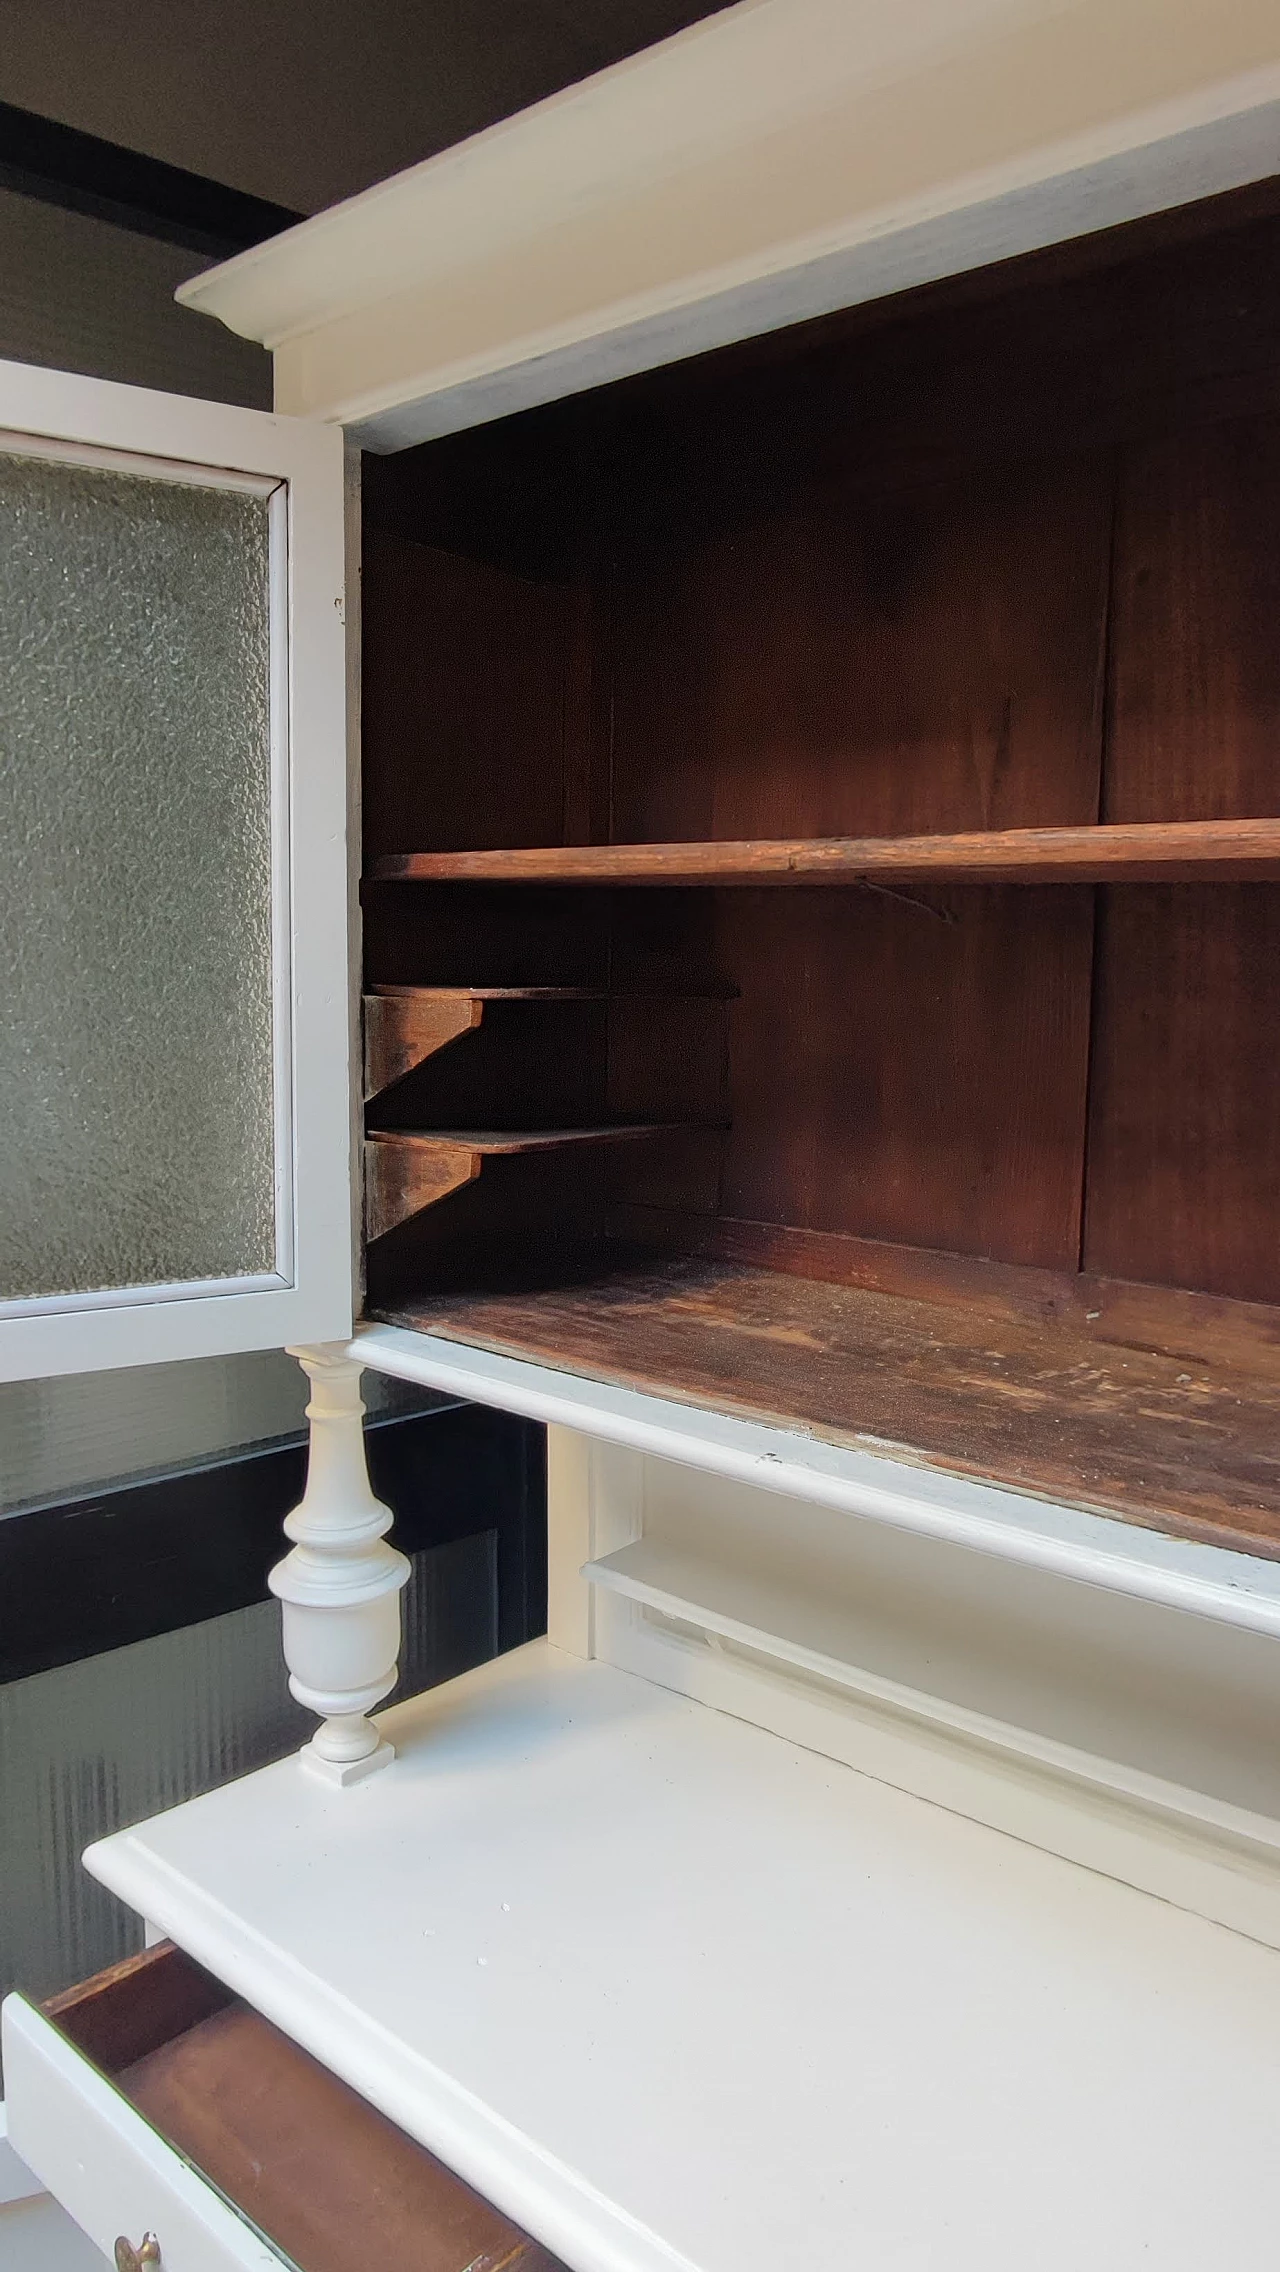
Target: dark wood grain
column 123, row 2013
column 327, row 2178
column 1033, row 1402
column 408, row 1170
column 1194, row 724
column 1233, row 851
column 1184, row 1144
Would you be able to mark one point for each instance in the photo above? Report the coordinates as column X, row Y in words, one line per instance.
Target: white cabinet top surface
column 675, row 1992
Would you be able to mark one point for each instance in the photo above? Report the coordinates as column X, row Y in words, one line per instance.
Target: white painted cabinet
column 880, row 1861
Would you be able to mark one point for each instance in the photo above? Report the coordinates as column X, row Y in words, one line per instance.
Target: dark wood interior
column 325, row 2177
column 921, row 665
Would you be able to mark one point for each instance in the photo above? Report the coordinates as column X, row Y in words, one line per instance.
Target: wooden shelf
column 1225, row 851
column 1181, row 1443
column 407, row 1170
column 805, row 1596
column 405, row 1025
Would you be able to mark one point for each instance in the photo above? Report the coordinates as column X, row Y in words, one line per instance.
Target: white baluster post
column 339, row 1588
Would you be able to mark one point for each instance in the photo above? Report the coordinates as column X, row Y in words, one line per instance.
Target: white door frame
column 299, row 465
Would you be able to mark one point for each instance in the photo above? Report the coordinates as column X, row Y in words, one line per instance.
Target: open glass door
column 174, row 1104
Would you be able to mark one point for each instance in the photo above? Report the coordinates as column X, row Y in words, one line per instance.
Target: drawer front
column 105, row 2165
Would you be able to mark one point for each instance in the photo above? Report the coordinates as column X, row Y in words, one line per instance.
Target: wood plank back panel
column 903, row 664
column 913, row 1072
column 464, row 701
column 1184, row 1145
column 932, row 661
column 1194, row 709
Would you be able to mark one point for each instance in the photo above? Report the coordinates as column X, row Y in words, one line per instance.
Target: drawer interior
column 320, row 2173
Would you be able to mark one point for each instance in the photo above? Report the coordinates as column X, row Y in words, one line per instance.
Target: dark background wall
column 308, row 101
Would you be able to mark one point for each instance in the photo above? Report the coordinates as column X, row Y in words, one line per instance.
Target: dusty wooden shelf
column 1170, row 851
column 1179, row 1443
column 406, row 1170
column 405, row 1025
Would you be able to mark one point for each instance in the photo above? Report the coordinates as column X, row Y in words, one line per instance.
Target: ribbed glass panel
column 83, row 1431
column 136, row 1055
column 94, row 1746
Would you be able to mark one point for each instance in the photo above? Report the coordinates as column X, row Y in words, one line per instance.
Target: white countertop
column 673, row 1991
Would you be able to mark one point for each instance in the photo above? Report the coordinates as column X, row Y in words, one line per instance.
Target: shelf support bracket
column 339, row 1587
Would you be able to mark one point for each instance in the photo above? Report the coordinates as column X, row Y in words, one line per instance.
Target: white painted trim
column 189, row 476
column 282, row 800
column 17, row 2182
column 570, row 1542
column 1217, row 1862
column 875, row 1485
column 125, row 1297
column 778, row 160
column 640, row 1970
column 298, row 467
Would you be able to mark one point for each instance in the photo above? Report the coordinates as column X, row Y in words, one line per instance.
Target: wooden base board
column 1029, row 1400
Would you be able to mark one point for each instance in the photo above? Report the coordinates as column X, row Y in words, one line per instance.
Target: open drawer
column 151, row 2100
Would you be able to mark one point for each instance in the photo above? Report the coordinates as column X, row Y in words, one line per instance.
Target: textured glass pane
column 136, row 1108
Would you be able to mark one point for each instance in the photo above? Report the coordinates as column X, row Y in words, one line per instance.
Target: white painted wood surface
column 110, row 2171
column 1112, row 1731
column 1094, row 1549
column 828, row 1642
column 339, row 1586
column 675, row 1992
column 309, row 1295
column 783, row 158
column 17, row 2182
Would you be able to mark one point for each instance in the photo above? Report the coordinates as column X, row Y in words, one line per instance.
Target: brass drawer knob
column 131, row 2259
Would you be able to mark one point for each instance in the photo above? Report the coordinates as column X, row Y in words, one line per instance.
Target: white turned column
column 339, row 1588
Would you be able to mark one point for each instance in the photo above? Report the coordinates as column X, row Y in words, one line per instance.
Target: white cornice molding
column 776, row 161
